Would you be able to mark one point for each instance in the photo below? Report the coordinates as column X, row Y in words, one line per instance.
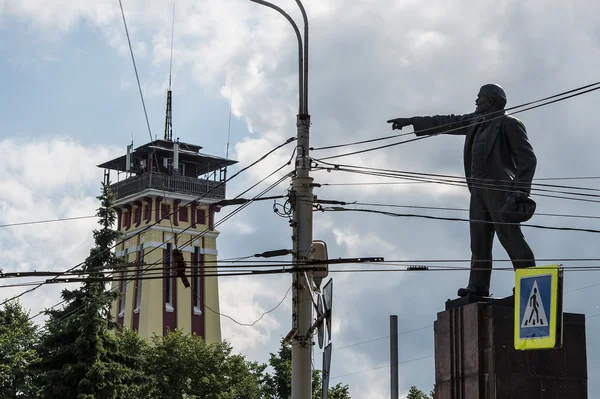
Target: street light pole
column 301, row 198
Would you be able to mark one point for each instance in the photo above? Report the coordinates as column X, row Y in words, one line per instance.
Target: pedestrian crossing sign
column 538, row 307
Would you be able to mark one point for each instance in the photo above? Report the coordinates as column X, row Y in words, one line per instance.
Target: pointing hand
column 399, row 123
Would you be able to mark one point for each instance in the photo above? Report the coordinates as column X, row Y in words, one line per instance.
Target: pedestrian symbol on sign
column 535, row 306
column 535, row 315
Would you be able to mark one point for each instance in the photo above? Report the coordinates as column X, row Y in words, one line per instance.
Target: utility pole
column 301, row 198
column 394, row 357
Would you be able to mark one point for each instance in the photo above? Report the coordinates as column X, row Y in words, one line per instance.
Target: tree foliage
column 279, row 383
column 416, row 393
column 183, row 365
column 80, row 354
column 18, row 336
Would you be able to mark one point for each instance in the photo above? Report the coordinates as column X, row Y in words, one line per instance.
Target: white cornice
column 212, row 234
column 169, row 195
column 162, row 245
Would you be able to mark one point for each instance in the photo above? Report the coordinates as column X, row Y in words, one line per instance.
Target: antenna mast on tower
column 169, row 117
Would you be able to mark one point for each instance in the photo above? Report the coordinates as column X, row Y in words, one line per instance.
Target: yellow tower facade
column 167, row 201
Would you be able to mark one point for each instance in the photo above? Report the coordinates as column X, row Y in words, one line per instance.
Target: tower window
column 196, row 286
column 201, row 216
column 169, row 280
column 123, row 288
column 164, row 211
column 138, row 286
column 183, row 213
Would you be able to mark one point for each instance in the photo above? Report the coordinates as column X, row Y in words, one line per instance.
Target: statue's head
column 491, row 98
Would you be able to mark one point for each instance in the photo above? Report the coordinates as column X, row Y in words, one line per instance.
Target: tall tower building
column 173, row 182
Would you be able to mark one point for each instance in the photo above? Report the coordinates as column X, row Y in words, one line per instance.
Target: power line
column 231, row 214
column 447, row 125
column 462, row 209
column 420, row 329
column 462, row 127
column 537, row 226
column 431, row 326
column 47, row 221
column 163, row 216
column 159, row 274
column 246, row 324
column 491, row 182
column 488, row 181
column 460, row 182
column 380, row 367
column 285, row 267
column 142, row 97
column 379, row 339
column 136, row 71
column 193, row 237
column 479, row 185
column 378, row 183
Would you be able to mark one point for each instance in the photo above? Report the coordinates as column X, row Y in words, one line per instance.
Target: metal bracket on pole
column 291, row 335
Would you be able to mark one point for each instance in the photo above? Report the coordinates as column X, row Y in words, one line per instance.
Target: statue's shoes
column 472, row 291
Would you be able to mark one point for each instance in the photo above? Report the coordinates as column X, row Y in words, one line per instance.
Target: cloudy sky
column 70, row 101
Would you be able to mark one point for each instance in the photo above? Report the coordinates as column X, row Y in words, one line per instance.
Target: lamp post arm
column 302, row 95
column 305, row 90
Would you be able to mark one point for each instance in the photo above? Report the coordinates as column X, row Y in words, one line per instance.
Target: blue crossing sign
column 538, row 307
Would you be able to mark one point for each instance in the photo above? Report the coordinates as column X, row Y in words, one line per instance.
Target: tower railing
column 169, row 183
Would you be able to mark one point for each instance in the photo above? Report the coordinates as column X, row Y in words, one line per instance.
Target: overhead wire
column 487, row 181
column 157, row 274
column 142, row 97
column 439, row 208
column 231, row 214
column 408, row 265
column 420, row 329
column 264, row 156
column 48, row 221
column 153, row 249
column 216, row 224
column 381, row 367
column 252, row 324
column 500, row 186
column 466, row 126
column 487, row 186
column 452, row 219
column 507, row 109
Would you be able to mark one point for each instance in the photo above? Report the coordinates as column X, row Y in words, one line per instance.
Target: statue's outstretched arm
column 438, row 124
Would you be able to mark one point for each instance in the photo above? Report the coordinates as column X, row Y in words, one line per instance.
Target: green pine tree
column 81, row 357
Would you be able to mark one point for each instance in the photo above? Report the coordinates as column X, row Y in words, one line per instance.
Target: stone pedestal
column 475, row 356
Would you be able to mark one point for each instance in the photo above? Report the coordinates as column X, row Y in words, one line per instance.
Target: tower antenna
column 229, row 125
column 169, row 116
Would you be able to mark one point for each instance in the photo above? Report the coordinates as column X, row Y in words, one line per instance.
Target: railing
column 171, row 183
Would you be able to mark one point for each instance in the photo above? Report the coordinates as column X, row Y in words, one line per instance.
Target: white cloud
column 245, row 300
column 45, row 180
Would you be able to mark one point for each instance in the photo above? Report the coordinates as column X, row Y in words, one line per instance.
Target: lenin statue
column 499, row 167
